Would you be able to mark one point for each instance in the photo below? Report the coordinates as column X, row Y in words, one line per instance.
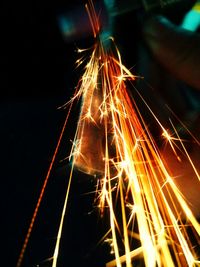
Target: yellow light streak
column 30, row 228
column 59, row 235
column 133, row 171
column 135, row 187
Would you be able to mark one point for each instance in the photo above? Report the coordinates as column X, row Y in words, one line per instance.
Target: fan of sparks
column 113, row 142
column 148, row 216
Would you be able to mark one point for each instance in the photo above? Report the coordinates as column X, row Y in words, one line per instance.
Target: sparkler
column 135, row 187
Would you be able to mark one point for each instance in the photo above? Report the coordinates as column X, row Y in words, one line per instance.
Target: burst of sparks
column 129, row 158
column 134, row 185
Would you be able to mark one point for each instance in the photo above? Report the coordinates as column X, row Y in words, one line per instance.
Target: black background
column 37, row 76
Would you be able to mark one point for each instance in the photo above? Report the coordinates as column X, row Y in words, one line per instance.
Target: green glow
column 66, row 25
column 191, row 20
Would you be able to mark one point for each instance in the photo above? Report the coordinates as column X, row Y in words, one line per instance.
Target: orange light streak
column 26, row 240
column 134, row 173
column 135, row 187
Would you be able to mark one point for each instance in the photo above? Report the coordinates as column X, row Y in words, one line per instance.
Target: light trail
column 59, row 235
column 132, row 170
column 30, row 228
column 135, row 187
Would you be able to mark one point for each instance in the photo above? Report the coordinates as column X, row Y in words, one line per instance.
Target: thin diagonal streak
column 21, row 256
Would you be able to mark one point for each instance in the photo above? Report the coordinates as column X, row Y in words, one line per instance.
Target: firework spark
column 133, row 173
column 149, row 217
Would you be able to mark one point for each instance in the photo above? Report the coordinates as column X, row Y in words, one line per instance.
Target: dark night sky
column 37, row 76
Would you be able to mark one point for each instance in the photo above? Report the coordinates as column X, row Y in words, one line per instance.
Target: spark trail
column 131, row 170
column 148, row 216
